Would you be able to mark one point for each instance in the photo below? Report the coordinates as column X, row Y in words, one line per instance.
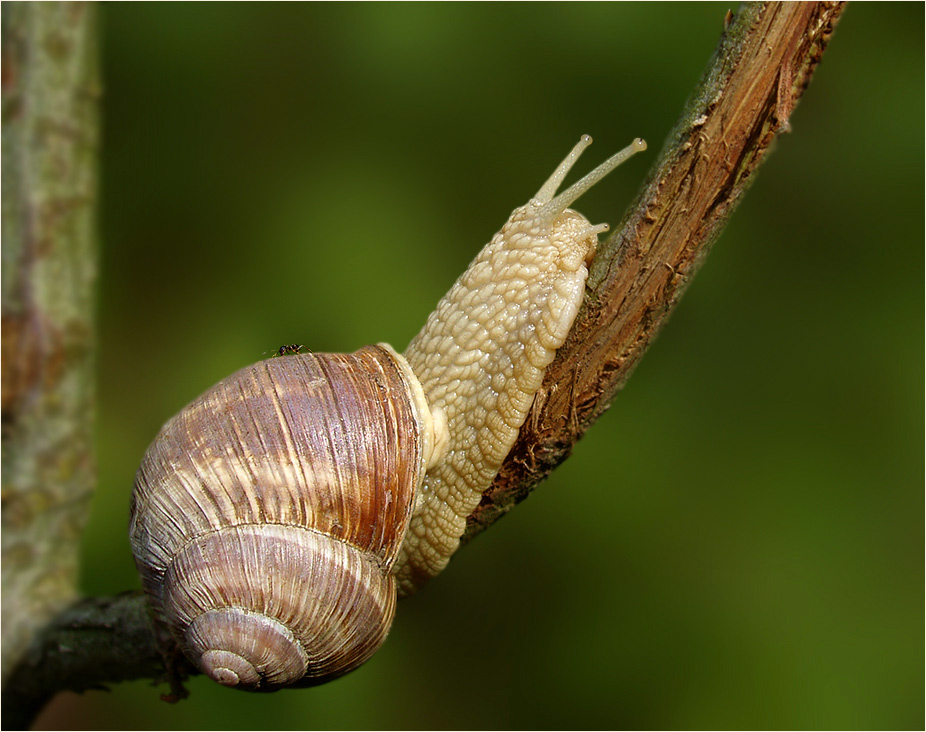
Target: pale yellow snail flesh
column 275, row 518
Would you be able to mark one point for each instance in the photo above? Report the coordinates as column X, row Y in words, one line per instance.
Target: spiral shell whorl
column 238, row 647
column 267, row 515
column 270, row 606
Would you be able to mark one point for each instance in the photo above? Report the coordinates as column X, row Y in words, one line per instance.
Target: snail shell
column 268, row 514
column 275, row 518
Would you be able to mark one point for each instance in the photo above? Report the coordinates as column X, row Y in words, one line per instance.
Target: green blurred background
column 738, row 543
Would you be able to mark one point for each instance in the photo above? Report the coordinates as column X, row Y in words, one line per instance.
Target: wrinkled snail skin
column 275, row 518
column 482, row 354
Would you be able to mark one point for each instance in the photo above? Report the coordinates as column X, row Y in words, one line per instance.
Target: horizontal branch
column 97, row 641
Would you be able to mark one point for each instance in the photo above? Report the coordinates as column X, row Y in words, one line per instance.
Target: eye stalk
column 553, row 207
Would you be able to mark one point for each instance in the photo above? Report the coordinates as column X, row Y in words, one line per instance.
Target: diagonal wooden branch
column 763, row 64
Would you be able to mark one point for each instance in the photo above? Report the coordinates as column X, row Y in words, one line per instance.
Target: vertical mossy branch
column 50, row 131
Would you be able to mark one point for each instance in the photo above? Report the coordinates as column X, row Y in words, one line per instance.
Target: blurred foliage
column 737, row 544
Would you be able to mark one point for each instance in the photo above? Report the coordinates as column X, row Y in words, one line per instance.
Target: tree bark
column 50, row 94
column 765, row 60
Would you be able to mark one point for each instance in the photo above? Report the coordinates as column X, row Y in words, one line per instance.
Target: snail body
column 278, row 516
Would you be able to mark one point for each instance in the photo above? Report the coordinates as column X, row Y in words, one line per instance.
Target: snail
column 276, row 519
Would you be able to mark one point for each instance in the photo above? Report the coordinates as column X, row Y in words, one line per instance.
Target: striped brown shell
column 268, row 514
